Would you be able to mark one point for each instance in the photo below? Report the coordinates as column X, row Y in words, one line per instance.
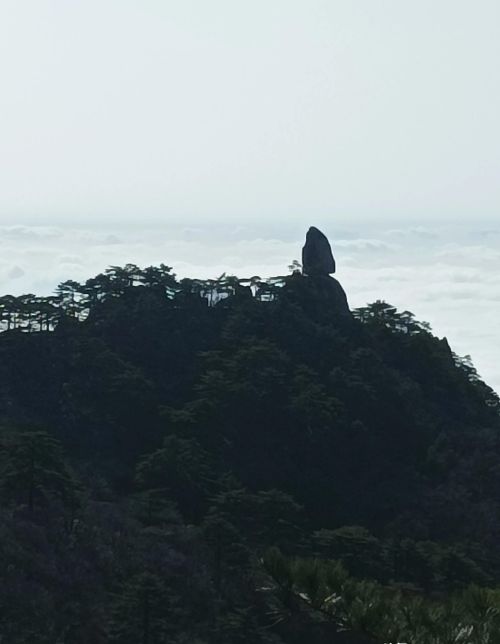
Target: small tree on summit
column 295, row 266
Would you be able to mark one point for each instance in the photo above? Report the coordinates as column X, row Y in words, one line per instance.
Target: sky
column 211, row 135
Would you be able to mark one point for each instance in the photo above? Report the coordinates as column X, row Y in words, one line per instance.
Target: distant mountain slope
column 242, row 415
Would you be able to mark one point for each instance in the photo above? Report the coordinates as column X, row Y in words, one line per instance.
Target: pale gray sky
column 129, row 128
column 195, row 109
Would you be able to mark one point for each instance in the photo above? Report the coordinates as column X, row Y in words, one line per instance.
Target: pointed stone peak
column 317, row 257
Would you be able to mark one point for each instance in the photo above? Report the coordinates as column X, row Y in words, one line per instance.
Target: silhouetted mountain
column 217, row 461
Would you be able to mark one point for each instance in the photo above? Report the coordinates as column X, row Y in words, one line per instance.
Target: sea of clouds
column 447, row 275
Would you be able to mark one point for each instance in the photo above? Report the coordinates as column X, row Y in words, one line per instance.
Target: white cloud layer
column 447, row 276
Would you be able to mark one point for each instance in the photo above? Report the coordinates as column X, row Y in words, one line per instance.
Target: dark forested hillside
column 241, row 461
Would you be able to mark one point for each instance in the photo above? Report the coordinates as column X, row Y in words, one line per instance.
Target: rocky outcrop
column 317, row 257
column 319, row 293
column 333, row 296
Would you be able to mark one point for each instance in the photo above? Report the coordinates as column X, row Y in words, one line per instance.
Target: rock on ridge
column 317, row 257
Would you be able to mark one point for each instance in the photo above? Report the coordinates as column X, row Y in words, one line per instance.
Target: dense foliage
column 228, row 461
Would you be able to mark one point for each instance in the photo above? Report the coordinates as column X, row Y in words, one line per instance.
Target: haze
column 211, row 135
column 252, row 110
